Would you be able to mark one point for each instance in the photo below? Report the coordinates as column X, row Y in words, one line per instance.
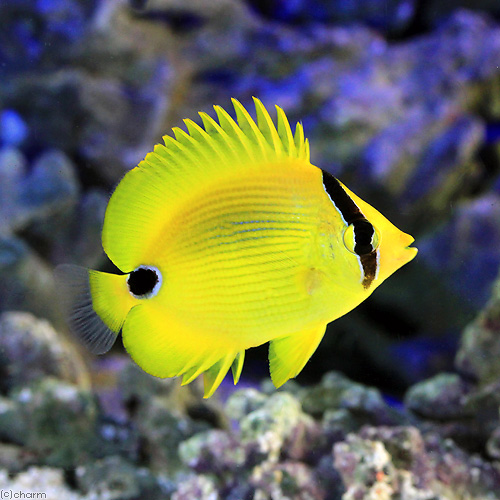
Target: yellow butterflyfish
column 228, row 237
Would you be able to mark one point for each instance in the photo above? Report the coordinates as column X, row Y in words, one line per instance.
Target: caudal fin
column 95, row 303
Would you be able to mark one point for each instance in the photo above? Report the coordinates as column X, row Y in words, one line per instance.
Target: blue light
column 13, row 129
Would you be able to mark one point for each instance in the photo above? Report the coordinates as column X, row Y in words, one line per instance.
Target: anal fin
column 288, row 355
column 237, row 366
column 215, row 374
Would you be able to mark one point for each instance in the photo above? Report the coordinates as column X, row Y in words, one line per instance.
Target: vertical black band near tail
column 363, row 229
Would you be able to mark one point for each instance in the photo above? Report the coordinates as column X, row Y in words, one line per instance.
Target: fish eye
column 144, row 282
column 361, row 238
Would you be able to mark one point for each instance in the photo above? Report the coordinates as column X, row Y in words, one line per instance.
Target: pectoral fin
column 288, row 355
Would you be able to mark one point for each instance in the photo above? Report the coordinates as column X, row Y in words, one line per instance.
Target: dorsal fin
column 244, row 140
column 149, row 194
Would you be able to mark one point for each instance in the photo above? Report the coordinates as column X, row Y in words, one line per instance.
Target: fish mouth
column 407, row 242
column 414, row 250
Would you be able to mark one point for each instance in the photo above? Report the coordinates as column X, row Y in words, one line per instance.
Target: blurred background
column 401, row 100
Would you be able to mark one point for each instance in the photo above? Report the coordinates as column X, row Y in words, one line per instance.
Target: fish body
column 228, row 237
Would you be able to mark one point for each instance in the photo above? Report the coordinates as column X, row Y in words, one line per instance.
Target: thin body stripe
column 236, row 207
column 227, row 255
column 351, row 214
column 201, row 247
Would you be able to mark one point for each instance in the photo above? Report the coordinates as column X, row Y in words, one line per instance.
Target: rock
column 13, row 458
column 361, row 404
column 285, row 480
column 162, row 429
column 329, row 478
column 336, row 424
column 12, row 428
column 52, row 37
column 115, row 478
column 456, row 409
column 479, row 349
column 50, row 187
column 407, row 449
column 38, row 482
column 365, row 467
column 393, row 17
column 244, row 401
column 453, row 149
column 200, row 487
column 138, row 387
column 13, row 166
column 327, row 395
column 493, row 444
column 27, row 281
column 110, row 132
column 456, row 471
column 31, row 349
column 278, row 427
column 484, row 403
column 214, row 451
column 466, row 250
column 400, row 462
column 436, row 10
column 442, row 397
column 57, row 422
column 75, row 235
column 36, row 198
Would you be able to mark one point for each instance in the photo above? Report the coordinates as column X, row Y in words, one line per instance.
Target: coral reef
column 338, row 440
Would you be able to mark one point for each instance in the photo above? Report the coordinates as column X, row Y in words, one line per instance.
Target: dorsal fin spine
column 173, row 149
column 197, row 133
column 192, row 144
column 267, row 128
column 232, row 129
column 248, row 125
column 285, row 133
column 306, row 149
column 211, row 125
column 203, row 139
column 299, row 141
column 227, row 141
column 163, row 157
column 155, row 158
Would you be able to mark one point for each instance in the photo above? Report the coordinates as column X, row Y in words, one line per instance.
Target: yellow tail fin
column 96, row 304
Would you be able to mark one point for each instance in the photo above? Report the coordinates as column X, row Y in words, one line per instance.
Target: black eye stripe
column 348, row 209
column 369, row 263
column 363, row 230
column 363, row 236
